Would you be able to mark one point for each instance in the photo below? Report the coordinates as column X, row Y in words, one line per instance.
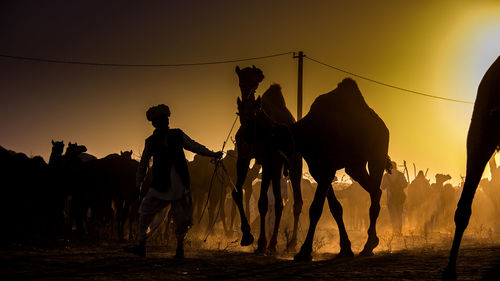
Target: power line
column 140, row 65
column 385, row 84
column 224, row 62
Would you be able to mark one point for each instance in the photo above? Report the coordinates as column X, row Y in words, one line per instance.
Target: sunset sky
column 438, row 47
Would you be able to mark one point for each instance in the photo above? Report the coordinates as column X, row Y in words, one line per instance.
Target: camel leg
column 248, row 196
column 242, row 169
column 126, row 212
column 197, row 201
column 336, row 210
column 233, row 217
column 278, row 209
column 119, row 218
column 78, row 213
column 296, row 178
column 222, row 208
column 373, row 240
column 314, row 214
column 263, row 205
column 370, row 183
column 132, row 220
column 478, row 156
column 199, row 215
column 212, row 208
column 122, row 216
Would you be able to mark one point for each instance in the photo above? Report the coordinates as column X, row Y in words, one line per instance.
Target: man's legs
column 149, row 207
column 393, row 216
column 399, row 215
column 183, row 220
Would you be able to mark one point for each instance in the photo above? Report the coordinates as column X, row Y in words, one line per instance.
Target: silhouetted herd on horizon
column 45, row 200
column 77, row 196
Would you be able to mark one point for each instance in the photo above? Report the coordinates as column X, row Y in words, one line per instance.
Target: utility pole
column 300, row 56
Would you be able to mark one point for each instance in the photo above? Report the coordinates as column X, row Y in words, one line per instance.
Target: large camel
column 252, row 141
column 340, row 131
column 482, row 140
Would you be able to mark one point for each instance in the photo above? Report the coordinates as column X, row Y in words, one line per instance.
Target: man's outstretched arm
column 197, row 148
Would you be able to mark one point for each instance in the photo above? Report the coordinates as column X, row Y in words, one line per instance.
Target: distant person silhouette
column 395, row 183
column 170, row 182
column 418, row 200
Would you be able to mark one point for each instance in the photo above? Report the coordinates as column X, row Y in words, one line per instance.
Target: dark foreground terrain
column 478, row 261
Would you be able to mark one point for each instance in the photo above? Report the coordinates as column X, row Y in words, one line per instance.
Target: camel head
column 57, row 147
column 74, row 149
column 249, row 79
column 248, row 109
column 441, row 178
column 126, row 154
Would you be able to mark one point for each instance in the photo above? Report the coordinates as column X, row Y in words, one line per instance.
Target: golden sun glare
column 463, row 55
column 476, row 46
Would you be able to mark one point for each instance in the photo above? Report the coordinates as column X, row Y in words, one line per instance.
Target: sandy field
column 479, row 260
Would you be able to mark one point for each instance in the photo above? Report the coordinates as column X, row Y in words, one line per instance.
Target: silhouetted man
column 395, row 183
column 170, row 183
column 418, row 200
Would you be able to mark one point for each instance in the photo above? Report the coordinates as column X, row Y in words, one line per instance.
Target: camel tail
column 388, row 164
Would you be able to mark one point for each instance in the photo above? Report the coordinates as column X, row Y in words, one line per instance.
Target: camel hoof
column 291, row 247
column 247, row 239
column 260, row 251
column 366, row 253
column 371, row 244
column 261, row 246
column 271, row 250
column 449, row 274
column 301, row 256
column 345, row 254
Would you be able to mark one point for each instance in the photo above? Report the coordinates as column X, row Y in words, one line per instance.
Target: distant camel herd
column 98, row 198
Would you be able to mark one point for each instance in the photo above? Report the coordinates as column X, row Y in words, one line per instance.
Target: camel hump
column 274, row 105
column 349, row 88
column 348, row 84
column 345, row 98
column 274, row 96
column 491, row 79
column 85, row 157
column 487, row 102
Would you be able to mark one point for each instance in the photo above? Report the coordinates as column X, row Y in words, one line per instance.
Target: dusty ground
column 478, row 261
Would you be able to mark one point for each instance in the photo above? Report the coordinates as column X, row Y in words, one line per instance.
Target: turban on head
column 158, row 111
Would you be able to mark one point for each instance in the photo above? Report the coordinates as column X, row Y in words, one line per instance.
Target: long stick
column 215, row 170
column 406, row 170
column 222, row 199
